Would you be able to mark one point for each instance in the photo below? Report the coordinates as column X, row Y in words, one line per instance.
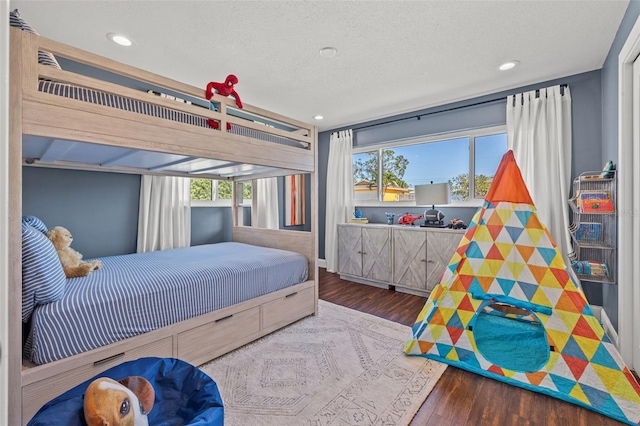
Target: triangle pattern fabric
column 516, row 315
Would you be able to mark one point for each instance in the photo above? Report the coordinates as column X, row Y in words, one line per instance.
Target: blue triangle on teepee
column 514, row 232
column 473, row 251
column 455, row 321
column 596, row 397
column 475, row 287
column 468, row 356
column 548, row 254
column 611, row 406
column 528, row 289
column 443, row 349
column 572, row 349
column 564, row 385
column 523, row 216
column 602, row 357
column 506, row 285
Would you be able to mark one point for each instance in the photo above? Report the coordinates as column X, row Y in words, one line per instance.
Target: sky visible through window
column 442, row 161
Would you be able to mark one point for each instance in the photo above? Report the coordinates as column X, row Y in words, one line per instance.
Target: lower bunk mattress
column 136, row 293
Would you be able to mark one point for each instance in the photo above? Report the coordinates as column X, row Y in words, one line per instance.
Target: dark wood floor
column 460, row 398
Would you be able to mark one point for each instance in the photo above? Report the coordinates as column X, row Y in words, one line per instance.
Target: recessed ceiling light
column 120, row 39
column 318, row 117
column 328, row 52
column 508, row 65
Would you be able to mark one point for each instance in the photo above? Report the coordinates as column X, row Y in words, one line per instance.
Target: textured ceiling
column 393, row 56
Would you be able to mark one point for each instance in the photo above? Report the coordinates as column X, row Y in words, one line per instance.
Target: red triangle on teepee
column 561, row 275
column 466, row 305
column 578, row 300
column 583, row 329
column 494, row 230
column 576, row 365
column 496, row 369
column 631, row 379
column 494, row 253
column 508, row 184
column 455, row 333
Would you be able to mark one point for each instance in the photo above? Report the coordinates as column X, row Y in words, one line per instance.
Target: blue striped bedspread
column 137, row 293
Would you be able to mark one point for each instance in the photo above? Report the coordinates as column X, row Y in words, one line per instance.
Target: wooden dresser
column 410, row 258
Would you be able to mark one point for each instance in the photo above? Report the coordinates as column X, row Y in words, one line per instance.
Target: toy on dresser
column 409, row 219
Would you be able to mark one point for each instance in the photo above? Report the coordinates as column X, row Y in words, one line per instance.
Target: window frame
column 219, row 202
column 440, row 137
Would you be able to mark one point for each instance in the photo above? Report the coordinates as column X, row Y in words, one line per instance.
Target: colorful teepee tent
column 507, row 308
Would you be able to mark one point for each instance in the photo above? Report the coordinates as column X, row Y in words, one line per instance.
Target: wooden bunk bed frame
column 197, row 340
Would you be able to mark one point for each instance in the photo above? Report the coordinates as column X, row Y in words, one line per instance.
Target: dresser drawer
column 211, row 340
column 35, row 395
column 287, row 309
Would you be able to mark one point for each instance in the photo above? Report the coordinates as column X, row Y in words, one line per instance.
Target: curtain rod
column 503, row 98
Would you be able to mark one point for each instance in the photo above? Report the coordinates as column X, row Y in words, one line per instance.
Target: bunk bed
column 69, row 120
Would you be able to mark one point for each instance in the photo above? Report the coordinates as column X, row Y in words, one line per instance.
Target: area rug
column 342, row 367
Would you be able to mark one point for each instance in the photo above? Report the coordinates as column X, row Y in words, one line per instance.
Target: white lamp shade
column 433, row 194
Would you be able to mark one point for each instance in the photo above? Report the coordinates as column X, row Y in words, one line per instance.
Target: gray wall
column 101, row 210
column 610, row 126
column 475, row 113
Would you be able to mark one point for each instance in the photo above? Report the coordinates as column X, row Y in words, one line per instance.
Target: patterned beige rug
column 342, row 367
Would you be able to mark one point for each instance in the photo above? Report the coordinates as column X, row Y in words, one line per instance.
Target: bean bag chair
column 184, row 395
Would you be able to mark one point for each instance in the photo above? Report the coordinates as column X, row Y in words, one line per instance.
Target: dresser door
column 350, row 250
column 376, row 254
column 440, row 249
column 409, row 259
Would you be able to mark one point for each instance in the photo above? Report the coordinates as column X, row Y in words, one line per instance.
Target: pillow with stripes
column 45, row 58
column 43, row 278
column 35, row 222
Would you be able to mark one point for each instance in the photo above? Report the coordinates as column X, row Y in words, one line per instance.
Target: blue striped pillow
column 44, row 58
column 35, row 222
column 43, row 278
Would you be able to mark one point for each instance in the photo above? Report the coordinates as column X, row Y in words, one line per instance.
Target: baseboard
column 322, row 263
column 601, row 315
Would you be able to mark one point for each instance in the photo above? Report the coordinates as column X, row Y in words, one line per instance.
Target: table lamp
column 433, row 193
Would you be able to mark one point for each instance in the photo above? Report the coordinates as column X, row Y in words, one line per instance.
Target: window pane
column 489, row 151
column 437, row 162
column 224, row 189
column 246, row 190
column 365, row 176
column 201, row 189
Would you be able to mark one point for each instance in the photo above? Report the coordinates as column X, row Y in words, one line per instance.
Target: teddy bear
column 71, row 260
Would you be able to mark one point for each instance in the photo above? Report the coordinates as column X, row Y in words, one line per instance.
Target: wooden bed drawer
column 35, row 395
column 287, row 309
column 208, row 341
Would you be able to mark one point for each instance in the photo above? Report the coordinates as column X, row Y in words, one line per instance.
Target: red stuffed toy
column 224, row 89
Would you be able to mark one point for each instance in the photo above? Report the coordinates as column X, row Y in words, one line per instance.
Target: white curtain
column 268, row 215
column 339, row 193
column 539, row 133
column 164, row 219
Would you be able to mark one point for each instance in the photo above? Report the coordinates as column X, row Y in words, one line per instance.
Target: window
column 209, row 192
column 452, row 158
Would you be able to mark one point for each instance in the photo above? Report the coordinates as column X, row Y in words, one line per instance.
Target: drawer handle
column 224, row 318
column 292, row 294
column 423, row 260
column 111, row 358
